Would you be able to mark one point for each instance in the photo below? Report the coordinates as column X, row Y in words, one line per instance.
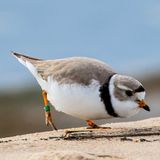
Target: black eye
column 129, row 93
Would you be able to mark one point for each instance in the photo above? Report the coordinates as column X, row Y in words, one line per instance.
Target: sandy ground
column 127, row 141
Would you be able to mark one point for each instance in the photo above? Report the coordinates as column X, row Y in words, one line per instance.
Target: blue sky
column 125, row 34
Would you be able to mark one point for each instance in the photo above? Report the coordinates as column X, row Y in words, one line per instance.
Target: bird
column 85, row 88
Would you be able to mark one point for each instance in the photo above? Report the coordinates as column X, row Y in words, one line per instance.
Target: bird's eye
column 129, row 93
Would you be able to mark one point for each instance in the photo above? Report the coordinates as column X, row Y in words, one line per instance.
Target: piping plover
column 85, row 88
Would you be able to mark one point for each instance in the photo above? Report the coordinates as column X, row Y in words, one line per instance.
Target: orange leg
column 48, row 117
column 94, row 126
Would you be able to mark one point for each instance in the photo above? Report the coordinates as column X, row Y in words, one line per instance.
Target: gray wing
column 75, row 70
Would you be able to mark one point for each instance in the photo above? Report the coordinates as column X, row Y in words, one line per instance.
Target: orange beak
column 143, row 105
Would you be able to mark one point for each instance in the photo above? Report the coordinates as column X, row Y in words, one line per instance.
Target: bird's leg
column 48, row 117
column 92, row 125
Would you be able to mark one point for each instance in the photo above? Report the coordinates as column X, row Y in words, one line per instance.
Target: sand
column 125, row 141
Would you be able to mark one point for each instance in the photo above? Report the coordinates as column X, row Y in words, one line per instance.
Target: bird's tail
column 32, row 65
column 23, row 58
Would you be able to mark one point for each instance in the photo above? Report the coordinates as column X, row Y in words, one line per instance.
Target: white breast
column 79, row 101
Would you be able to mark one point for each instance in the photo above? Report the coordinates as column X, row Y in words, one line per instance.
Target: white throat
column 122, row 108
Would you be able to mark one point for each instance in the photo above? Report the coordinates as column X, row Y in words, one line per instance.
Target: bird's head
column 127, row 95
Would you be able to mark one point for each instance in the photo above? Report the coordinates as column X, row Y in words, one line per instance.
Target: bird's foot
column 48, row 119
column 93, row 126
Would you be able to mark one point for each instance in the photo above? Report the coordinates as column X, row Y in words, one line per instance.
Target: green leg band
column 47, row 108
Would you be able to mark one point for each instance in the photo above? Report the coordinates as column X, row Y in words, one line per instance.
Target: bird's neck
column 105, row 96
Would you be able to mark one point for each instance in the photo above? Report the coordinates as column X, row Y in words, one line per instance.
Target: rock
column 131, row 140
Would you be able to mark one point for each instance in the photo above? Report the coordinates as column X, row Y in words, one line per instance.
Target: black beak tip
column 146, row 108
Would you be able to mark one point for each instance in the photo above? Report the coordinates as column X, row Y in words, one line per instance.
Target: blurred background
column 124, row 34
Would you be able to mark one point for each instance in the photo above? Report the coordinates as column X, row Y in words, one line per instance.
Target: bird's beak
column 143, row 105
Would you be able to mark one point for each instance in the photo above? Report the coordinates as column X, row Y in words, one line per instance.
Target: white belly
column 76, row 100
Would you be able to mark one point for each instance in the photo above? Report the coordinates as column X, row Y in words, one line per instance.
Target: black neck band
column 106, row 98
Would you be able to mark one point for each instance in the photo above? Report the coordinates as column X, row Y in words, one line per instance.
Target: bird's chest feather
column 77, row 100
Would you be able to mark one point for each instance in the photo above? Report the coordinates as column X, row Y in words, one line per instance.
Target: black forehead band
column 140, row 89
